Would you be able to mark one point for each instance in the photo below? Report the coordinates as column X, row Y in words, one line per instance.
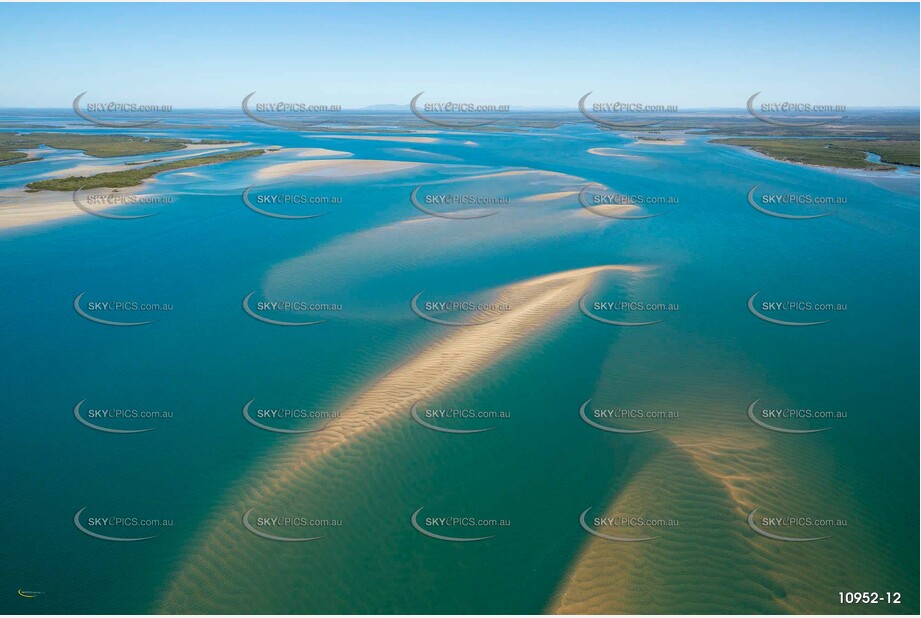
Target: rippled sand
column 708, row 470
column 227, row 569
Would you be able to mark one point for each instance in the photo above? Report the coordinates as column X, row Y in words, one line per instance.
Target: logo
column 777, row 537
column 272, row 537
column 112, row 107
column 266, row 213
column 453, row 107
column 762, row 209
column 607, row 123
column 102, row 215
column 780, row 305
column 785, row 107
column 444, row 520
column 609, row 201
column 611, row 429
column 584, row 309
column 80, row 418
column 287, row 107
column 415, row 414
column 751, row 415
column 609, row 537
column 414, row 199
column 107, row 521
column 252, row 421
column 276, row 305
column 108, row 306
column 454, row 305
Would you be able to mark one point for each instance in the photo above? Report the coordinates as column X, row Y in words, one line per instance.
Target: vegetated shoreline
column 816, row 154
column 42, row 201
column 135, row 176
column 99, row 146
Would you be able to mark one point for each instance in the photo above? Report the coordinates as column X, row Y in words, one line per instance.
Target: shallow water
column 539, row 469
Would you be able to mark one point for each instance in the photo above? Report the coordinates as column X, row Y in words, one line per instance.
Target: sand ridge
column 460, row 355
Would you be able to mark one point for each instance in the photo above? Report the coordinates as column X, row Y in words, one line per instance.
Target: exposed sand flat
column 189, row 147
column 18, row 208
column 335, row 168
column 611, row 152
column 316, row 152
column 201, row 582
column 546, row 197
column 670, row 141
column 388, row 138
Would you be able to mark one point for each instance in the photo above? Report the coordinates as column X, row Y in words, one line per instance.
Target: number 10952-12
column 869, row 597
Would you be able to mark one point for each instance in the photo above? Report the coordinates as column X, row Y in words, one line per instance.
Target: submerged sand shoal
column 460, row 355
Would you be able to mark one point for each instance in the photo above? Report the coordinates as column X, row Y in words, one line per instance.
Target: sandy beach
column 666, row 141
column 19, row 208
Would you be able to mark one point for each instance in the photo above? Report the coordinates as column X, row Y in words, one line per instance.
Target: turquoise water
column 708, row 253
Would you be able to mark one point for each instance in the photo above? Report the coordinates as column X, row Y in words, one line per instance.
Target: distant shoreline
column 865, row 167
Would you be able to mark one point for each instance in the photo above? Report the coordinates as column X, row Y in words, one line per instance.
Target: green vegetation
column 92, row 145
column 134, row 177
column 10, row 157
column 850, row 153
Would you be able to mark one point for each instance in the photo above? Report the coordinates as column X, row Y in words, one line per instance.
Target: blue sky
column 690, row 55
